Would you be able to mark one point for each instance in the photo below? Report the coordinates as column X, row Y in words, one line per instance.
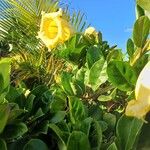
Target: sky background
column 114, row 18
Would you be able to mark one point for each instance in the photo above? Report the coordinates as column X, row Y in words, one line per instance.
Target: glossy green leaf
column 110, row 119
column 130, row 47
column 79, row 82
column 39, row 90
column 121, row 75
column 115, row 54
column 78, row 141
column 143, row 141
column 58, row 117
column 139, row 11
column 62, row 138
column 140, row 63
column 59, row 101
column 112, row 147
column 4, row 77
column 13, row 94
column 66, row 83
column 86, row 125
column 104, row 98
column 95, row 112
column 73, row 49
column 29, row 102
column 77, row 110
column 14, row 130
column 41, row 128
column 95, row 136
column 98, row 74
column 4, row 114
column 15, row 113
column 145, row 4
column 93, row 55
column 35, row 144
column 141, row 31
column 127, row 131
column 103, row 125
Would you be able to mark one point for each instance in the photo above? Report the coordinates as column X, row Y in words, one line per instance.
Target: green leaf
column 4, row 77
column 62, row 138
column 130, row 47
column 79, row 82
column 3, row 145
column 80, row 75
column 140, row 63
column 141, row 31
column 13, row 94
column 14, row 145
column 4, row 114
column 115, row 54
column 39, row 90
column 95, row 112
column 95, row 136
column 66, row 83
column 14, row 130
column 139, row 11
column 35, row 144
column 77, row 110
column 73, row 49
column 78, row 141
column 112, row 147
column 104, row 98
column 58, row 117
column 127, row 131
column 59, row 101
column 145, row 4
column 41, row 128
column 110, row 119
column 93, row 55
column 98, row 74
column 29, row 102
column 15, row 114
column 121, row 75
column 103, row 125
column 86, row 125
column 143, row 140
column 78, row 88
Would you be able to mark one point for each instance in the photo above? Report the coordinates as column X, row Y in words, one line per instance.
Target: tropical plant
column 74, row 95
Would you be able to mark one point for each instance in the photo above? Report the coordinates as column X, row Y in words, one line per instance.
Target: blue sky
column 114, row 18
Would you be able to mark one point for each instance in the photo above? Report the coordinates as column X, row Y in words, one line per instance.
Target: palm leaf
column 77, row 19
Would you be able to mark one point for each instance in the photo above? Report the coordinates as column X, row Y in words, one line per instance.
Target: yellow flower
column 141, row 106
column 91, row 31
column 54, row 29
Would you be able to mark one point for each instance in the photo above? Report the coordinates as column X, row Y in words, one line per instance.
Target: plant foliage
column 74, row 96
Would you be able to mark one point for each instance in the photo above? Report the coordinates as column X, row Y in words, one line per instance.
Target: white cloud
column 128, row 30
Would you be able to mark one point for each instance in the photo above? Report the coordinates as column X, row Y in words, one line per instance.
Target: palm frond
column 20, row 20
column 77, row 19
column 41, row 67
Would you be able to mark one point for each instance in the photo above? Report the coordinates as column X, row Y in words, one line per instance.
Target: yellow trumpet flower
column 141, row 105
column 54, row 29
